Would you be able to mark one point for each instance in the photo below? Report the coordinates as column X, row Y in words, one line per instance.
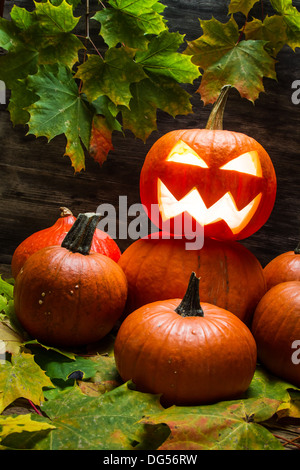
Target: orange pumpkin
column 157, row 269
column 54, row 235
column 285, row 267
column 219, row 180
column 192, row 354
column 276, row 329
column 68, row 295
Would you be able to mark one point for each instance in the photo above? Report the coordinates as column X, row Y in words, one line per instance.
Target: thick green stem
column 190, row 304
column 215, row 120
column 80, row 236
column 297, row 249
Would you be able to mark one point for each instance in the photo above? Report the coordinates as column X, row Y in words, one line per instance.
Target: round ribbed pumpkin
column 192, row 354
column 285, row 267
column 54, row 235
column 219, row 181
column 276, row 329
column 68, row 295
column 158, row 269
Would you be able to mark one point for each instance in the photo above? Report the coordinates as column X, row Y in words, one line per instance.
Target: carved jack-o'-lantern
column 222, row 180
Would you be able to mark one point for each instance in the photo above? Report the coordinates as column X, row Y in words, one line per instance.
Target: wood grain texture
column 36, row 179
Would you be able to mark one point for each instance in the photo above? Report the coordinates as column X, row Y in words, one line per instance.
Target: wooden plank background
column 36, row 179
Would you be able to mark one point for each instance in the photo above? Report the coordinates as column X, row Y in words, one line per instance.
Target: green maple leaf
column 162, row 58
column 9, row 34
column 227, row 425
column 111, row 76
column 74, row 3
column 6, row 288
column 291, row 16
column 22, row 378
column 265, row 384
column 17, row 425
column 55, row 19
column 21, row 98
column 128, row 22
column 107, row 422
column 21, row 17
column 106, row 108
column 38, row 37
column 243, row 6
column 272, row 30
column 57, row 366
column 50, row 34
column 60, row 110
column 148, row 95
column 61, row 48
column 18, row 64
column 228, row 61
column 11, row 339
column 107, row 375
column 234, row 425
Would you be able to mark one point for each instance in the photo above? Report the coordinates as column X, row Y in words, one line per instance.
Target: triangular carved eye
column 246, row 163
column 183, row 153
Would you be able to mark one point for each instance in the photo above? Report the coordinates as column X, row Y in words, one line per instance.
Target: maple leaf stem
column 96, row 49
column 35, row 408
column 87, row 19
column 242, row 31
column 93, row 44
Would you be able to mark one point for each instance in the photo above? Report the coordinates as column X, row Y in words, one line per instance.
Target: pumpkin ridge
column 150, row 247
column 133, row 332
column 162, row 348
column 135, row 368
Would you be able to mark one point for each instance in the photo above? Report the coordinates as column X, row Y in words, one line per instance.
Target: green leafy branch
column 53, row 93
column 242, row 57
column 63, row 83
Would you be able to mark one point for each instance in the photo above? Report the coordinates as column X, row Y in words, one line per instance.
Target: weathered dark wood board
column 36, row 179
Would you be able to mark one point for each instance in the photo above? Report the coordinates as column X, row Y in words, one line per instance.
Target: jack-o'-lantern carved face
column 224, row 181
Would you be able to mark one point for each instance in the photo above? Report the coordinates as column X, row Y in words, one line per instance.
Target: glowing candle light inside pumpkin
column 225, row 208
column 220, row 181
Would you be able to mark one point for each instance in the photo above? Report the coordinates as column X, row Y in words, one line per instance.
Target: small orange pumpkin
column 276, row 329
column 192, row 354
column 54, row 235
column 285, row 267
column 68, row 295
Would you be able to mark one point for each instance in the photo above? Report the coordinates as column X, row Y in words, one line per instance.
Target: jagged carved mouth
column 224, row 209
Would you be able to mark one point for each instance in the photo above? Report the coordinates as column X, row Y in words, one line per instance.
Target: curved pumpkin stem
column 215, row 120
column 297, row 249
column 64, row 212
column 79, row 237
column 190, row 304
